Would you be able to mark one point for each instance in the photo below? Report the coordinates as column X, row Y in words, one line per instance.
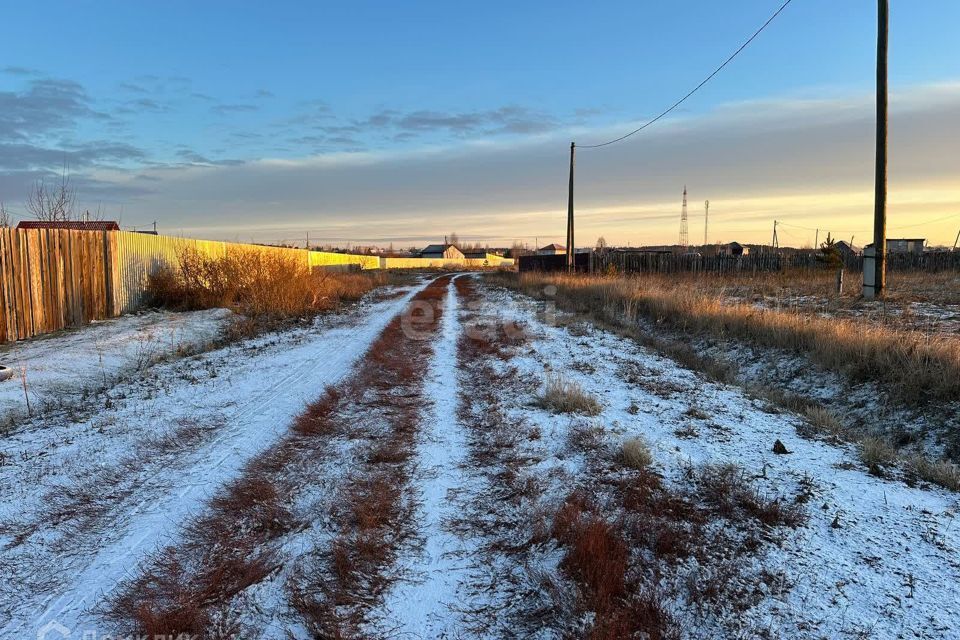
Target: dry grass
column 939, row 472
column 726, row 489
column 560, row 395
column 909, row 364
column 265, row 287
column 233, row 546
column 823, row 420
column 636, row 453
column 877, row 454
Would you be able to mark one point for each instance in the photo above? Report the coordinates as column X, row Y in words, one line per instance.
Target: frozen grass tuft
column 823, row 421
column 566, row 396
column 636, row 453
column 939, row 472
column 877, row 453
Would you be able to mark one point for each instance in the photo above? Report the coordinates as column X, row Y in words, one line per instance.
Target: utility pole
column 955, row 241
column 570, row 255
column 774, row 243
column 880, row 171
column 816, row 241
column 684, row 239
column 706, row 220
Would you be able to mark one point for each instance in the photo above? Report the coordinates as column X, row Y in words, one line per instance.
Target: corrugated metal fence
column 54, row 278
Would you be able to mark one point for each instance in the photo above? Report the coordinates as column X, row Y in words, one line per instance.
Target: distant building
column 475, row 254
column 847, row 250
column 552, row 250
column 906, row 245
column 441, row 251
column 733, row 249
column 73, row 225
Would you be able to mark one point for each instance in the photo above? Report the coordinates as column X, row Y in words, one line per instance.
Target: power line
column 696, row 88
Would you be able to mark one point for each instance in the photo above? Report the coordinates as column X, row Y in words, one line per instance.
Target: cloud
column 507, row 119
column 132, row 87
column 20, row 71
column 225, row 109
column 807, row 162
column 47, row 105
column 263, row 93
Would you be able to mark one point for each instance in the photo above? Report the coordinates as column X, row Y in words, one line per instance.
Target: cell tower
column 684, row 239
column 706, row 220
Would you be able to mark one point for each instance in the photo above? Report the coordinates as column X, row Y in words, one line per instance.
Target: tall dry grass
column 911, row 365
column 268, row 287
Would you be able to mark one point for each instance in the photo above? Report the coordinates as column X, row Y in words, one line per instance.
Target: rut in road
column 271, row 554
column 424, row 601
column 256, row 401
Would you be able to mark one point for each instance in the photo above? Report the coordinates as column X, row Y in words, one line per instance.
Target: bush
column 636, row 453
column 565, row 396
column 267, row 286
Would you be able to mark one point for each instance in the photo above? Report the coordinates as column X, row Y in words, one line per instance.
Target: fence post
column 840, row 281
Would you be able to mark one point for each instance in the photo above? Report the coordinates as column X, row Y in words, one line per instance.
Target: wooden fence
column 51, row 279
column 666, row 262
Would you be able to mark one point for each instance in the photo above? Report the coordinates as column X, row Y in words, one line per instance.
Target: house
column 552, row 250
column 441, row 251
column 475, row 254
column 906, row 245
column 733, row 249
column 847, row 249
column 73, row 225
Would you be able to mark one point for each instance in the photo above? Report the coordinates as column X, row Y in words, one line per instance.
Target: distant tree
column 453, row 239
column 829, row 253
column 518, row 249
column 5, row 219
column 601, row 243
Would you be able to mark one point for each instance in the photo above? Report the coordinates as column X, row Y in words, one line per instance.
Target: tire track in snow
column 419, row 605
column 257, row 422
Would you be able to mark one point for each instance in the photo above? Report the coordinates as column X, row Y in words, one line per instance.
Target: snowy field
column 138, row 423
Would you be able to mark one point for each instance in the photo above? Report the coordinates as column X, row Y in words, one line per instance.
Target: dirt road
column 401, row 472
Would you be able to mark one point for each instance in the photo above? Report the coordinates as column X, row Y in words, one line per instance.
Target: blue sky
column 214, row 116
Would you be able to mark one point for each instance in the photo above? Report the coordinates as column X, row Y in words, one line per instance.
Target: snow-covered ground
column 420, row 605
column 92, row 487
column 82, row 500
column 876, row 558
column 61, row 367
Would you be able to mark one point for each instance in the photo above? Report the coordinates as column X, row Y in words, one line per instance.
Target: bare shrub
column 732, row 495
column 636, row 453
column 264, row 286
column 561, row 395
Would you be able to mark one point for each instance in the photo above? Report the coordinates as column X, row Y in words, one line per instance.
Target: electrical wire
column 696, row 88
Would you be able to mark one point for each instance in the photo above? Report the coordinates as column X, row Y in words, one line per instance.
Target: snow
column 59, row 367
column 876, row 558
column 250, row 392
column 418, row 605
column 891, row 567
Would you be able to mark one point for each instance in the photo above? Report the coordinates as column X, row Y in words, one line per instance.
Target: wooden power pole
column 880, row 179
column 570, row 254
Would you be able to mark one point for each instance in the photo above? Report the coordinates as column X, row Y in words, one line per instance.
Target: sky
column 377, row 122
